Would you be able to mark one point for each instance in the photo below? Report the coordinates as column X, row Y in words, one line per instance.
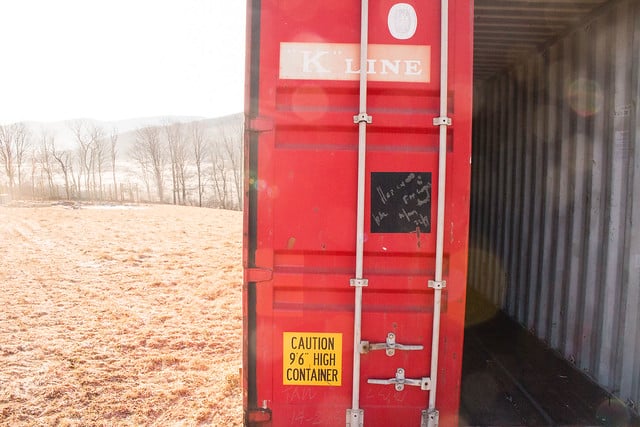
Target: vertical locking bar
column 438, row 284
column 355, row 416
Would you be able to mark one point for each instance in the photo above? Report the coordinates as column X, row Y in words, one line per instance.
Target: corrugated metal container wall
column 555, row 235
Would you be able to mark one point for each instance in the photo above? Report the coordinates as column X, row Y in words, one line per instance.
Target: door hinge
column 260, row 124
column 258, row 274
column 257, row 416
column 430, row 418
column 355, row 418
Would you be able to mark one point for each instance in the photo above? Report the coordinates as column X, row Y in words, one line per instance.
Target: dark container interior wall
column 555, row 208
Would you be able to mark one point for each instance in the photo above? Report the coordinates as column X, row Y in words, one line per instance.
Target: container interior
column 555, row 205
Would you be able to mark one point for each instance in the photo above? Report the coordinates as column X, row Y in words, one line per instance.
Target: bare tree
column 80, row 129
column 219, row 176
column 198, row 142
column 91, row 154
column 232, row 145
column 113, row 153
column 175, row 194
column 142, row 160
column 64, row 162
column 45, row 163
column 99, row 155
column 14, row 142
column 149, row 148
column 7, row 154
column 75, row 184
column 34, row 169
column 179, row 159
column 22, row 143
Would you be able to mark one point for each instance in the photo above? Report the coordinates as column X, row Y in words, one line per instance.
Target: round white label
column 402, row 21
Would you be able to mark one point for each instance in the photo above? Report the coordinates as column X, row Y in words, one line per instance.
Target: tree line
column 197, row 163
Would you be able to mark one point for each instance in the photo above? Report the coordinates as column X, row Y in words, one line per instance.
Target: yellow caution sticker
column 312, row 358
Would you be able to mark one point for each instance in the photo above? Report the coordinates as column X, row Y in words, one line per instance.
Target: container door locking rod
column 355, row 415
column 430, row 416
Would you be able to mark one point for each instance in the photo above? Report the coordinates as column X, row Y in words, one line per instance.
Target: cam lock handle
column 400, row 381
column 390, row 346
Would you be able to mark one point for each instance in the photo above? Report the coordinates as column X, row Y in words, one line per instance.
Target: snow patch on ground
column 115, row 207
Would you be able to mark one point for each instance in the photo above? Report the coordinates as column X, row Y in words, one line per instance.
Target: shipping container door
column 301, row 161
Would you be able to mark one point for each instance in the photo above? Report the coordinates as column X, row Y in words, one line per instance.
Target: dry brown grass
column 120, row 316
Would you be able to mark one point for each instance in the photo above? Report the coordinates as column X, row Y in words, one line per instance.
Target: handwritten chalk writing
column 414, row 217
column 400, row 202
column 379, row 217
column 385, row 195
column 298, row 394
column 385, row 395
column 314, row 415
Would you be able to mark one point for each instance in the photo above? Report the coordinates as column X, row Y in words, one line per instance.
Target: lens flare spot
column 585, row 97
column 310, row 103
column 613, row 412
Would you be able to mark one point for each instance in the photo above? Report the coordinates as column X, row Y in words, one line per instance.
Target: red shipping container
column 306, row 254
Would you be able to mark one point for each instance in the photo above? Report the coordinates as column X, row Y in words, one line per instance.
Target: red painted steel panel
column 300, row 209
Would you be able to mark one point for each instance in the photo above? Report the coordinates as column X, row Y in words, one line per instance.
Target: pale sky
column 120, row 59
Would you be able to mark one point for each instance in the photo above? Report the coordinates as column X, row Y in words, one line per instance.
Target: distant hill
column 126, row 138
column 64, row 137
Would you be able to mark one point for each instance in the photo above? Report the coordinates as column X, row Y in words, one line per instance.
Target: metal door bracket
column 430, row 418
column 255, row 416
column 400, row 381
column 359, row 283
column 260, row 124
column 390, row 346
column 437, row 284
column 362, row 117
column 442, row 121
column 355, row 418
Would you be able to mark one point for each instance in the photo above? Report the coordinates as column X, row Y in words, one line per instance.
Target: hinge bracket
column 260, row 124
column 355, row 418
column 430, row 418
column 255, row 416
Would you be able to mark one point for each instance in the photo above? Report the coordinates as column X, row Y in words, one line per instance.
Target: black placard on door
column 400, row 202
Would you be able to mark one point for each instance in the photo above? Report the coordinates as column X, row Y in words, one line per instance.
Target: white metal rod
column 357, row 328
column 442, row 176
column 362, row 148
